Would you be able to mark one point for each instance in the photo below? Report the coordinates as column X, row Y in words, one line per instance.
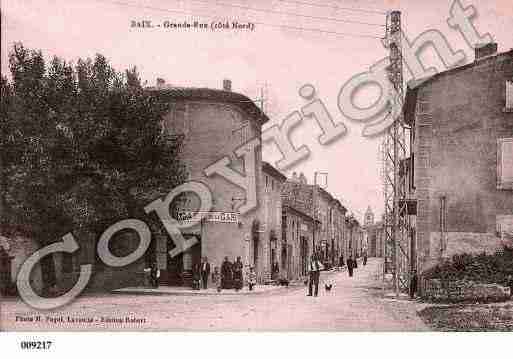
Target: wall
column 297, row 226
column 463, row 291
column 212, row 131
column 459, row 117
column 270, row 214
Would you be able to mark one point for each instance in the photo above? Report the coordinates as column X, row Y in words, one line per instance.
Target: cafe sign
column 216, row 217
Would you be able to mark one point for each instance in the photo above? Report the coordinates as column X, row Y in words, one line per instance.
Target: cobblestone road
column 354, row 304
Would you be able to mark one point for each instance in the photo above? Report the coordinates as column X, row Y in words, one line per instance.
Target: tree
column 82, row 146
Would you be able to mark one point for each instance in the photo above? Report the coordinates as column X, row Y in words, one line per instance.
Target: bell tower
column 369, row 217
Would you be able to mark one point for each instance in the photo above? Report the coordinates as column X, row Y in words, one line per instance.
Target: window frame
column 508, row 90
column 501, row 184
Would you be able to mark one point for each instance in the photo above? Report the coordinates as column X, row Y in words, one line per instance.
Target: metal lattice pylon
column 394, row 154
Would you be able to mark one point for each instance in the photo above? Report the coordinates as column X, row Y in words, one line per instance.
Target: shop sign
column 217, row 217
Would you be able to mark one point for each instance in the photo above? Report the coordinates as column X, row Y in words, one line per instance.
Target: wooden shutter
column 505, row 163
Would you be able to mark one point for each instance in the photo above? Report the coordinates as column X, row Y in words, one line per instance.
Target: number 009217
column 36, row 345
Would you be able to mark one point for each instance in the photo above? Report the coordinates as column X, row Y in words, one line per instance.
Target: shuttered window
column 509, row 96
column 505, row 163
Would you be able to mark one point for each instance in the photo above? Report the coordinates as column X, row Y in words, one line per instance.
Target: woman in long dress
column 237, row 274
column 226, row 274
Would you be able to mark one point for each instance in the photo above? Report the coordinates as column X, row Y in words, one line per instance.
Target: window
column 67, row 263
column 509, row 96
column 241, row 131
column 505, row 163
column 443, row 222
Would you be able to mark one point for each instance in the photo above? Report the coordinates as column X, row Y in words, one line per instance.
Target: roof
column 270, row 169
column 414, row 85
column 196, row 94
column 300, row 213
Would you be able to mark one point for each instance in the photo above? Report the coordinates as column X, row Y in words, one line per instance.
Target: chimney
column 160, row 82
column 227, row 85
column 484, row 50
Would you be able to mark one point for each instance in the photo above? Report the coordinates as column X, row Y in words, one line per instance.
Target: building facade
column 215, row 125
column 461, row 164
column 266, row 242
column 300, row 229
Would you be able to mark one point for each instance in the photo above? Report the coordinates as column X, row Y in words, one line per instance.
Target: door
column 290, row 271
column 304, row 259
column 174, row 270
column 5, row 272
column 255, row 254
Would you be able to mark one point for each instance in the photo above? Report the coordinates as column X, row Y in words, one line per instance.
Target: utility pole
column 393, row 153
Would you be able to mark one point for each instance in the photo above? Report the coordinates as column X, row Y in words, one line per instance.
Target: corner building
column 213, row 125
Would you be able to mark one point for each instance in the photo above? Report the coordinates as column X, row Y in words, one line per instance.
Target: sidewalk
column 258, row 289
column 168, row 290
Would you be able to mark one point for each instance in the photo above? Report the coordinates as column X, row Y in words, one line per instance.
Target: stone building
column 355, row 244
column 339, row 223
column 329, row 235
column 299, row 228
column 374, row 233
column 461, row 163
column 215, row 125
column 267, row 241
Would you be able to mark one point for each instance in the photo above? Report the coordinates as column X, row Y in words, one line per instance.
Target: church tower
column 369, row 217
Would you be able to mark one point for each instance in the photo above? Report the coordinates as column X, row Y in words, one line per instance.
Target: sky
column 275, row 57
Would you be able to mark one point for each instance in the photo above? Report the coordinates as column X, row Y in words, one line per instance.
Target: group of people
column 230, row 276
column 352, row 263
column 200, row 274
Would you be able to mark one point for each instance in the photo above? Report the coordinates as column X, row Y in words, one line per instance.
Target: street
column 354, row 304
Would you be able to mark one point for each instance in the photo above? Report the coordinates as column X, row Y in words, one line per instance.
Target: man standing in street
column 314, row 269
column 205, row 272
column 350, row 265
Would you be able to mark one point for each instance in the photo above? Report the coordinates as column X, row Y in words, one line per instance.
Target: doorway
column 5, row 272
column 179, row 267
column 304, row 255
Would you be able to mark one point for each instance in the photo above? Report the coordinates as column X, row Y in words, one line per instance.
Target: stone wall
column 458, row 119
column 437, row 290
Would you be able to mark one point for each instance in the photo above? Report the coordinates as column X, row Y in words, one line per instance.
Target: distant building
column 461, row 167
column 374, row 235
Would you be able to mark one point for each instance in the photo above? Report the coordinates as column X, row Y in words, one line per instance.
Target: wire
column 254, row 22
column 243, row 7
column 333, row 7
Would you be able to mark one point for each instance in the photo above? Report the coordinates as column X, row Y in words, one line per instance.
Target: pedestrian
column 341, row 261
column 205, row 272
column 365, row 258
column 154, row 275
column 413, row 283
column 196, row 276
column 216, row 279
column 275, row 270
column 226, row 274
column 237, row 274
column 314, row 270
column 350, row 265
column 251, row 278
